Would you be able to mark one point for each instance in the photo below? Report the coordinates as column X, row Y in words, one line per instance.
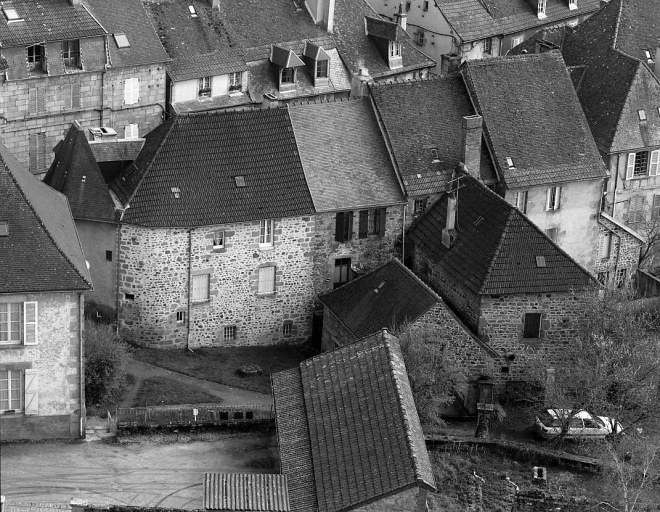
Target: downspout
column 81, row 315
column 189, row 288
column 403, row 235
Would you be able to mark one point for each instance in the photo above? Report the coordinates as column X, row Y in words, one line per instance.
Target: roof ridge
column 616, row 24
column 43, row 226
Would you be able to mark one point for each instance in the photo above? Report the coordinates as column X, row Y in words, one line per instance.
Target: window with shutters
column 11, row 390
column 35, row 58
column 636, row 210
column 72, row 92
column 131, row 91
column 266, row 284
column 71, row 54
column 532, row 325
column 131, row 131
column 342, row 272
column 642, row 164
column 18, row 323
column 37, row 152
column 266, row 234
column 36, row 100
column 655, row 208
column 343, row 226
column 521, row 200
column 488, row 45
column 553, row 198
column 200, row 287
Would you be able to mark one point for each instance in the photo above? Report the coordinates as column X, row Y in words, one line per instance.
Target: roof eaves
column 622, row 226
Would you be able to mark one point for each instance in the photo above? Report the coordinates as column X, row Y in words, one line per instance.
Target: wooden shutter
column 41, row 99
column 339, row 227
column 630, row 169
column 131, row 131
column 37, row 151
column 30, row 328
column 200, row 287
column 655, row 208
column 548, row 198
column 131, row 91
column 349, row 226
column 557, row 198
column 31, row 391
column 266, row 280
column 32, row 100
column 653, row 165
column 75, row 96
column 363, row 228
column 379, row 221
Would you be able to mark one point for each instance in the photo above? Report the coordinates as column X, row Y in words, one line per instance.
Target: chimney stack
column 657, row 62
column 215, row 4
column 359, row 83
column 401, row 17
column 449, row 231
column 74, row 3
column 472, row 144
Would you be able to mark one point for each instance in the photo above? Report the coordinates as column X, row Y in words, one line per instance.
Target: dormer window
column 317, row 61
column 572, row 4
column 322, row 69
column 71, row 54
column 288, row 76
column 204, row 87
column 35, row 56
column 394, row 49
column 394, row 54
column 235, row 81
column 541, row 9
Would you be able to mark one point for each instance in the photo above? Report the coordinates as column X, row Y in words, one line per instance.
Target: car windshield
column 548, row 420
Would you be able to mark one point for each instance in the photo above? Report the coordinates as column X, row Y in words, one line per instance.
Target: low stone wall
column 35, row 428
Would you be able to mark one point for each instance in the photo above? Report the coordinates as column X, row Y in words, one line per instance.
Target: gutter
column 189, row 289
column 83, row 410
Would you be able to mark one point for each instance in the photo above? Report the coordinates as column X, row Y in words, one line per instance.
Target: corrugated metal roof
column 249, row 492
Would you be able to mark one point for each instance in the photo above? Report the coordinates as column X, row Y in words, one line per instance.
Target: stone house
column 351, row 439
column 93, row 61
column 234, row 221
column 451, row 32
column 510, row 283
column 615, row 61
column 447, row 132
column 559, row 190
column 618, row 252
column 44, row 277
column 76, row 174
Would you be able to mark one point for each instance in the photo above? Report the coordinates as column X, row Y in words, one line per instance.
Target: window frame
column 322, row 69
column 229, row 333
column 218, row 240
column 650, row 167
column 288, row 76
column 521, row 199
column 515, row 41
column 235, row 81
column 10, row 379
column 204, row 88
column 343, row 265
column 36, row 60
column 488, row 46
column 71, row 53
column 419, row 205
column 553, row 198
column 605, row 249
column 266, row 234
column 394, row 49
column 537, row 327
column 343, row 226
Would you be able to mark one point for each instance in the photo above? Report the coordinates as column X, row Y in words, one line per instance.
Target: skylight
column 540, row 261
column 193, row 12
column 642, row 115
column 509, row 162
column 648, row 54
column 4, row 228
column 11, row 14
column 240, row 181
column 121, row 40
column 177, row 192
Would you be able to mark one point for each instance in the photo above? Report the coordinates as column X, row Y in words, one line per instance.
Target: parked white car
column 582, row 425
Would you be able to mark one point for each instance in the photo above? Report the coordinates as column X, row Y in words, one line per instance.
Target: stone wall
column 335, row 334
column 623, row 253
column 365, row 253
column 99, row 243
column 412, row 499
column 540, row 501
column 154, row 270
column 55, row 362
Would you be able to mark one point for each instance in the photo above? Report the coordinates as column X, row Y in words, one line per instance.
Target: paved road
column 147, row 473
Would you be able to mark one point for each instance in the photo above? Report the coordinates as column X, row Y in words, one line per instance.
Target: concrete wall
column 96, row 239
column 56, row 359
column 412, row 499
column 154, row 269
column 575, row 220
column 365, row 253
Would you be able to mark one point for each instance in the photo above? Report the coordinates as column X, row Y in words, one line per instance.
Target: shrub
column 105, row 360
column 99, row 313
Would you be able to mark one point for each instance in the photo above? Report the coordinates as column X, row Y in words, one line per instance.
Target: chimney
column 359, row 83
column 74, row 3
column 449, row 231
column 401, row 17
column 215, row 4
column 472, row 144
column 540, row 10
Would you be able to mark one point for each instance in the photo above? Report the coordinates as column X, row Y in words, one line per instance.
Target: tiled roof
column 116, row 150
column 219, row 62
column 358, row 50
column 246, row 491
column 356, row 418
column 128, row 17
column 530, row 109
column 473, row 20
column 75, row 173
column 615, row 83
column 432, row 112
column 42, row 251
column 389, row 297
column 198, row 157
column 496, row 247
column 344, row 156
column 257, row 53
column 47, row 20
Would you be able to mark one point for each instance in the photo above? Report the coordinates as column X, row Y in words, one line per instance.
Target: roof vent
column 540, row 261
column 177, row 192
column 4, row 228
column 240, row 181
column 193, row 12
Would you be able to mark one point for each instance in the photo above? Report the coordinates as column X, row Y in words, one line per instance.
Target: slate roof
column 200, row 155
column 497, row 254
column 473, row 20
column 219, row 62
column 530, row 109
column 116, row 150
column 42, row 251
column 344, row 156
column 358, row 50
column 128, row 17
column 76, row 174
column 418, row 115
column 615, row 83
column 47, row 20
column 347, row 419
column 387, row 298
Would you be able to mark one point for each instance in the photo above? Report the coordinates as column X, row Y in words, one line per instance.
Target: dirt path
column 147, row 473
column 229, row 395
